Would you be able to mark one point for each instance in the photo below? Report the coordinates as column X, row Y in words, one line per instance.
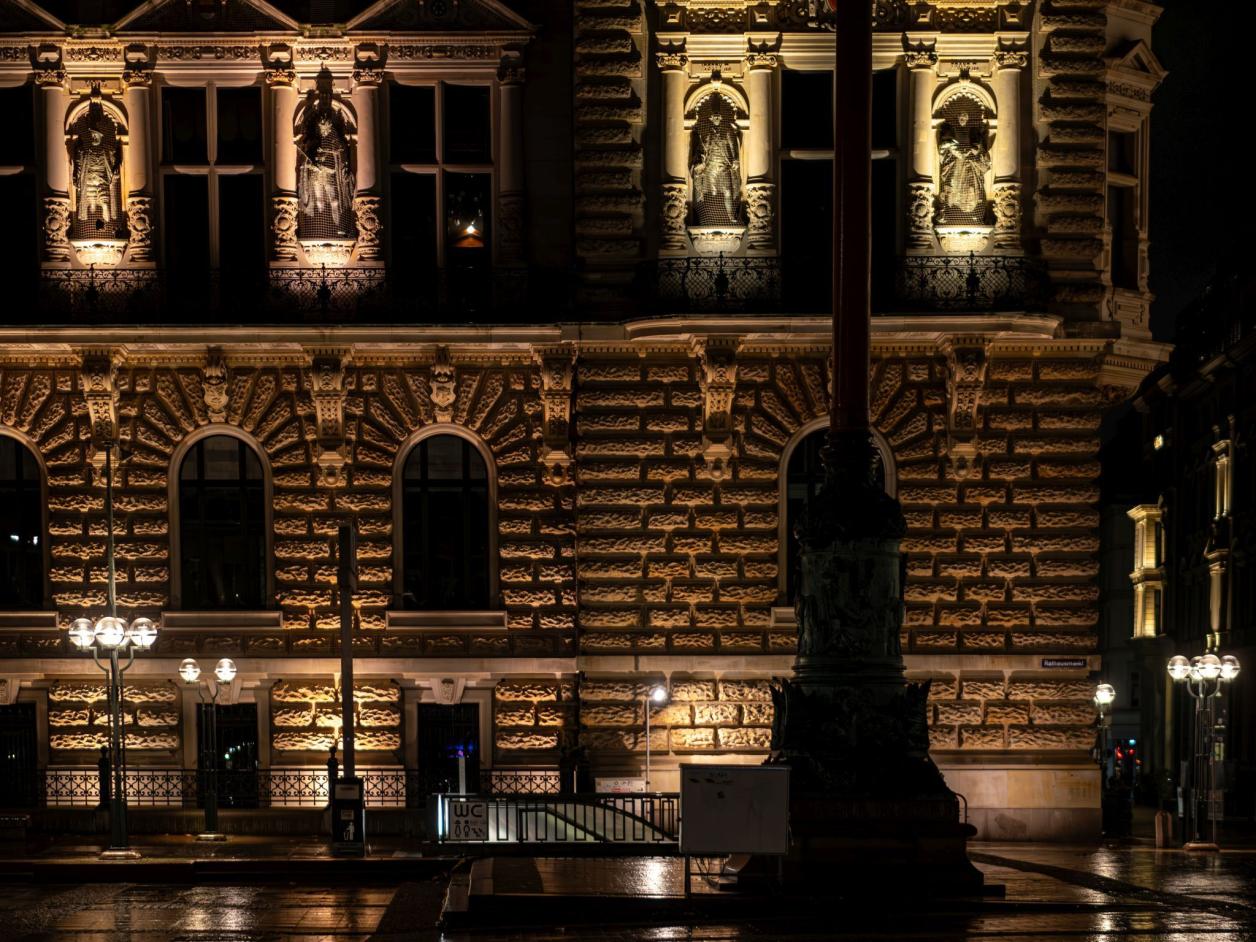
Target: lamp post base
column 1201, row 847
column 211, row 836
column 120, row 853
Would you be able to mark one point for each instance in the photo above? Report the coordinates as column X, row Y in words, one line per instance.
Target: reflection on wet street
column 1078, row 894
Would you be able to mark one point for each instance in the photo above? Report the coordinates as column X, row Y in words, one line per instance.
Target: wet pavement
column 1053, row 894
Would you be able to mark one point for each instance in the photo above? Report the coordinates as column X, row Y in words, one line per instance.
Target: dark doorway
column 19, row 756
column 445, row 733
column 236, row 758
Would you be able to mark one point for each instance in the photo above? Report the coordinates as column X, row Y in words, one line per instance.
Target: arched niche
column 95, row 136
column 325, row 130
column 965, row 117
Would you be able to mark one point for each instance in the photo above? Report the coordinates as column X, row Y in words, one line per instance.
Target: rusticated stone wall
column 533, row 717
column 305, row 715
column 78, row 717
column 1017, row 710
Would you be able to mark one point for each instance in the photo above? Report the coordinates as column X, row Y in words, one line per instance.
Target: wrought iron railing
column 280, row 787
column 959, row 283
column 594, row 818
column 703, row 283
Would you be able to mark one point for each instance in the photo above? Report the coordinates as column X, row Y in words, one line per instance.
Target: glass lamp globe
column 110, row 631
column 225, row 671
column 82, row 634
column 658, row 694
column 1229, row 667
column 142, row 633
column 189, row 670
column 1210, row 667
column 1179, row 667
column 1105, row 694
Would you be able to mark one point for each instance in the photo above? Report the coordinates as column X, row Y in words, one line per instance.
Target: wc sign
column 466, row 820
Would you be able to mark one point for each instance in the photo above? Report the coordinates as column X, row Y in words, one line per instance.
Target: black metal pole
column 117, row 805
column 211, row 797
column 347, row 582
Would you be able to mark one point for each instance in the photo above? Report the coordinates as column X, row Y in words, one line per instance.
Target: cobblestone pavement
column 1054, row 894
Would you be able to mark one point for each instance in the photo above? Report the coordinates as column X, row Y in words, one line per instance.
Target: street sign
column 1065, row 663
column 468, row 820
column 348, row 818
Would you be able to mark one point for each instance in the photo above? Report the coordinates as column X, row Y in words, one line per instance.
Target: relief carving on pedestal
column 921, row 209
column 57, row 228
column 283, row 227
column 366, row 212
column 759, row 198
column 139, row 223
column 1007, row 215
column 675, row 211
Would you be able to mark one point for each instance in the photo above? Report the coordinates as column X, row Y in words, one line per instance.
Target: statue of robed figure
column 325, row 181
column 96, row 163
column 965, row 161
column 715, row 166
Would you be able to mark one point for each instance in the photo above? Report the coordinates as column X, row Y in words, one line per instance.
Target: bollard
column 1164, row 829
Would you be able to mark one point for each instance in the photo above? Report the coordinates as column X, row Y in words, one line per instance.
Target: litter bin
column 348, row 818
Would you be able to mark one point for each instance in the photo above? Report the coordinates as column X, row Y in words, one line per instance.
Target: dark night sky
column 1198, row 191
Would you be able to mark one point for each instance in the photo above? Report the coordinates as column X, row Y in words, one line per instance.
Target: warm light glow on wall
column 1147, row 575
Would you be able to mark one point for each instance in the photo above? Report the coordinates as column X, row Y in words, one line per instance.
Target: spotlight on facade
column 190, row 671
column 225, row 671
column 1179, row 667
column 1104, row 695
column 658, row 694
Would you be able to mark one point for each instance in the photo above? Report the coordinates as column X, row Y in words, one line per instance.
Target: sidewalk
column 182, row 859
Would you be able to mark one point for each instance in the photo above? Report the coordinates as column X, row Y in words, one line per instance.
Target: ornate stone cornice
column 921, row 55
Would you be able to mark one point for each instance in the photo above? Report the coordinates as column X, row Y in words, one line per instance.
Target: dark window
column 412, row 130
column 241, row 222
column 187, row 236
column 466, row 216
column 413, row 235
column 467, row 138
column 806, row 110
column 21, row 528
column 803, row 480
column 1122, row 152
column 222, row 521
column 807, row 233
column 885, row 110
column 445, row 526
column 447, row 734
column 183, row 126
column 236, row 756
column 239, row 126
column 19, row 245
column 17, row 145
column 1123, row 218
column 19, row 785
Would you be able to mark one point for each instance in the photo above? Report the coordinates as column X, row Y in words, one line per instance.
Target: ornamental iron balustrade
column 281, row 787
column 972, row 283
column 701, row 283
column 525, row 819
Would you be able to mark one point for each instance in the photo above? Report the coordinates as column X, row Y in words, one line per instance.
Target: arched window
column 804, row 475
column 21, row 528
column 222, row 526
column 445, row 526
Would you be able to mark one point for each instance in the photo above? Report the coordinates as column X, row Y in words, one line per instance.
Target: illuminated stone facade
column 638, row 454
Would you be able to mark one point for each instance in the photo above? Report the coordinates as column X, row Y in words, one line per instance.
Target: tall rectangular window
column 19, row 238
column 806, row 189
column 1123, row 207
column 214, row 205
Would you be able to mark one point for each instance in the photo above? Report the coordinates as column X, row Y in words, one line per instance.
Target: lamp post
column 1204, row 677
column 224, row 673
column 657, row 696
column 108, row 639
column 1105, row 694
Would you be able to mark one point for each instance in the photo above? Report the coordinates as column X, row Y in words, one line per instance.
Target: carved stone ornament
column 759, row 231
column 139, row 224
column 920, row 57
column 921, row 206
column 215, row 386
column 557, row 368
column 671, row 60
column 366, row 212
column 97, row 380
column 368, row 64
column 277, row 59
column 1011, row 58
column 326, row 380
column 966, row 360
column 57, row 228
column 444, row 385
column 675, row 210
column 447, row 691
column 1007, row 215
column 283, row 228
column 717, row 378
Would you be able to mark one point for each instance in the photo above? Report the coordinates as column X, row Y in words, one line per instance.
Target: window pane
column 222, row 538
column 412, row 130
column 183, row 126
column 885, row 109
column 467, row 215
column 412, row 239
column 21, row 528
column 242, row 240
column 239, row 126
column 19, row 245
column 807, row 232
column 445, row 517
column 187, row 237
column 467, row 127
column 17, row 145
column 806, row 110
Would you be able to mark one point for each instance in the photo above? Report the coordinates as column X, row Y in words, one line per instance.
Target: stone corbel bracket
column 216, row 385
column 98, row 375
column 967, row 358
column 444, row 385
column 557, row 364
column 717, row 378
column 325, row 377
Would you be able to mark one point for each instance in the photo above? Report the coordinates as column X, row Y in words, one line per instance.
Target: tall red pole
column 852, row 215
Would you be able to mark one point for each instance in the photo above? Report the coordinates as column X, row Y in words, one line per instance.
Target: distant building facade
column 569, row 390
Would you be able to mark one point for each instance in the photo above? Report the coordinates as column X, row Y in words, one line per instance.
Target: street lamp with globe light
column 1204, row 677
column 656, row 696
column 109, row 639
column 224, row 674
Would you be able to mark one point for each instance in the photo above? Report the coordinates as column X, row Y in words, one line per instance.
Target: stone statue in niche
column 715, row 164
column 965, row 161
column 325, row 181
column 96, row 162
